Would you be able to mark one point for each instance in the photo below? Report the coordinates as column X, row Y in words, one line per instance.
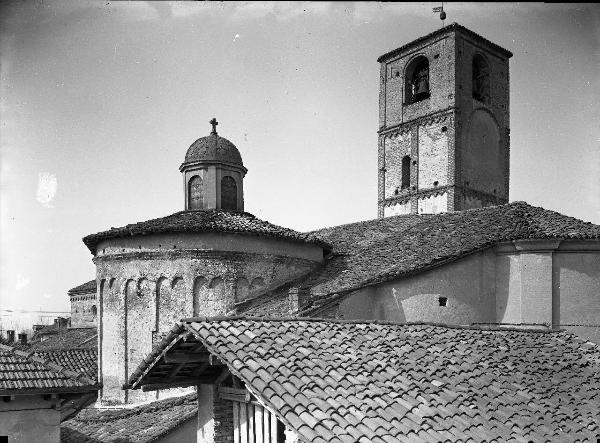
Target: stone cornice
column 547, row 245
column 204, row 254
column 406, row 195
column 436, row 117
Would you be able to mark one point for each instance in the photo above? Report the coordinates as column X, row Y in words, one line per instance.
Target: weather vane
column 440, row 9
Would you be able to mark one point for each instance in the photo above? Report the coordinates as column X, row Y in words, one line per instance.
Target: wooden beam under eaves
column 186, row 357
column 180, row 383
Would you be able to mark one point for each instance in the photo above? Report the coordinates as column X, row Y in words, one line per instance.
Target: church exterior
column 447, row 248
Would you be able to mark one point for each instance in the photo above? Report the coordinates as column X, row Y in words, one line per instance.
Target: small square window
column 443, row 301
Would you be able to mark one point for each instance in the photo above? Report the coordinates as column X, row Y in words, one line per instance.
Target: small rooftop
column 145, row 423
column 28, row 372
column 65, row 339
column 84, row 288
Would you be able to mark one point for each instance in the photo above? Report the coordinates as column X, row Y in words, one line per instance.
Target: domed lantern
column 213, row 174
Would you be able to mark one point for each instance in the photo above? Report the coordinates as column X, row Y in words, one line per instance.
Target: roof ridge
column 486, row 326
column 440, row 214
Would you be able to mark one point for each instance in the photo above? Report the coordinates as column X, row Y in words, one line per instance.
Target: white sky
column 101, row 100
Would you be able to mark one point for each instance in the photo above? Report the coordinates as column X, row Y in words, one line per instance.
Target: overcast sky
column 101, row 100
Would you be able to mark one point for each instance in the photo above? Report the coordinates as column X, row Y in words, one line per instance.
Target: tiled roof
column 375, row 251
column 89, row 286
column 84, row 361
column 450, row 27
column 203, row 221
column 23, row 372
column 70, row 338
column 144, row 423
column 377, row 382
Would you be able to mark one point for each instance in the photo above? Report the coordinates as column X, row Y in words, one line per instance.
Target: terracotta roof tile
column 503, row 384
column 65, row 339
column 24, row 371
column 86, row 287
column 144, row 423
column 203, row 221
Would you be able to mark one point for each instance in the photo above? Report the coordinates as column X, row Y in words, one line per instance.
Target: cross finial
column 214, row 124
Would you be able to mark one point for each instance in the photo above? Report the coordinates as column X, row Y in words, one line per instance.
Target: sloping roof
column 70, row 338
column 449, row 28
column 23, row 372
column 84, row 288
column 144, row 423
column 80, row 361
column 380, row 250
column 352, row 381
column 203, row 221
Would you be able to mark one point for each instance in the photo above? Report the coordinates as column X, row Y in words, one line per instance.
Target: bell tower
column 443, row 124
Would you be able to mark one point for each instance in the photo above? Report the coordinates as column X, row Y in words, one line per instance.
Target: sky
column 100, row 101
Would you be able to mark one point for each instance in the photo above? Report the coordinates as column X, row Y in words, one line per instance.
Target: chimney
column 10, row 336
column 23, row 338
column 298, row 299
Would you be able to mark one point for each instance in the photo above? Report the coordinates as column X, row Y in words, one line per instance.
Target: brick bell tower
column 443, row 124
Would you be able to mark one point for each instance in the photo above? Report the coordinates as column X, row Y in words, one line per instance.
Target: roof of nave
column 376, row 251
column 145, row 423
column 68, row 338
column 84, row 288
column 230, row 222
column 375, row 381
column 27, row 371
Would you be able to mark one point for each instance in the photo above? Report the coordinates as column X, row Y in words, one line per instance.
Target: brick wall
column 143, row 294
column 223, row 410
column 84, row 309
column 456, row 141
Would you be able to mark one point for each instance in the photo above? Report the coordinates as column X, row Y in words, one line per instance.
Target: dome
column 213, row 149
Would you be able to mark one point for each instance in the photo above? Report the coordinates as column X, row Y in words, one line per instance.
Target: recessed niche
column 444, row 128
column 443, row 301
column 435, row 183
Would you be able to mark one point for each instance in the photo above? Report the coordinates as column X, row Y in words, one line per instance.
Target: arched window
column 481, row 79
column 405, row 172
column 417, row 80
column 228, row 194
column 196, row 198
column 94, row 310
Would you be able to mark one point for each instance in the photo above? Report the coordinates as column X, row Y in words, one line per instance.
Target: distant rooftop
column 84, row 288
column 144, row 423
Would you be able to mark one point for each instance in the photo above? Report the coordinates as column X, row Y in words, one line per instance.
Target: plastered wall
column 550, row 284
column 467, row 285
column 28, row 419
